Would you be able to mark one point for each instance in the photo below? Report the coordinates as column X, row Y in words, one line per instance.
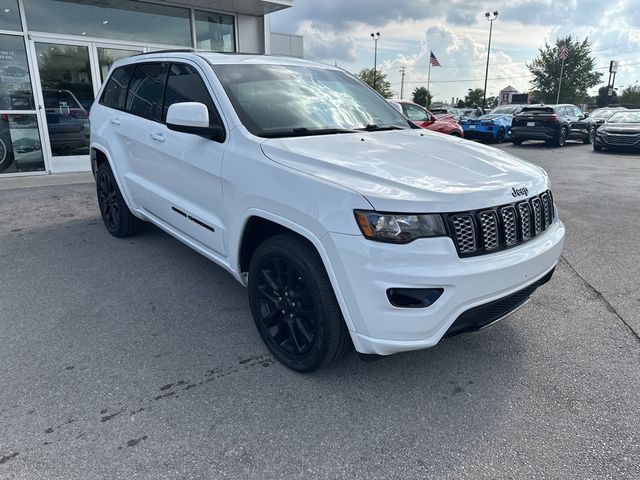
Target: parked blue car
column 491, row 127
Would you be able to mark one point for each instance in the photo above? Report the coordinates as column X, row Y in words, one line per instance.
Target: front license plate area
column 531, row 124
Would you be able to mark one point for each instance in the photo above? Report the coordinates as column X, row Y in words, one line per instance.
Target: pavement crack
column 601, row 297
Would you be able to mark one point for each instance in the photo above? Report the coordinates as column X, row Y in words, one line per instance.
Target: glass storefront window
column 215, row 32
column 121, row 19
column 9, row 15
column 107, row 57
column 15, row 82
column 20, row 147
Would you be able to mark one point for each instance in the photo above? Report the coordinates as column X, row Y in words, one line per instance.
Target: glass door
column 67, row 92
column 70, row 74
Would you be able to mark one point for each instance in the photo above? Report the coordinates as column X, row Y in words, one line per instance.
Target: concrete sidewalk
column 13, row 182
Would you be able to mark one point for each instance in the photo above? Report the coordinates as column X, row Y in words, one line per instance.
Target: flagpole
column 428, row 82
column 560, row 82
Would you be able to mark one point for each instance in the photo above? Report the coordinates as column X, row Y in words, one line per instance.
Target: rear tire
column 294, row 306
column 117, row 217
column 562, row 137
column 597, row 148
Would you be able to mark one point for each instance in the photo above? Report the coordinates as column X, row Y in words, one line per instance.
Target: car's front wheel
column 517, row 141
column 117, row 217
column 597, row 148
column 587, row 139
column 501, row 135
column 294, row 306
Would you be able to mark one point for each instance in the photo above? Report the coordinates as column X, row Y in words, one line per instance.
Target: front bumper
column 631, row 142
column 366, row 269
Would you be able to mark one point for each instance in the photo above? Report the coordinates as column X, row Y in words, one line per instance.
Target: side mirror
column 193, row 117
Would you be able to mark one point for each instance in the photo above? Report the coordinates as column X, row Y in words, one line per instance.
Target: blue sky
column 457, row 32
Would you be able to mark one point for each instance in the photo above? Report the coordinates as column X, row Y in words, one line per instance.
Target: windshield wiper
column 303, row 131
column 377, row 128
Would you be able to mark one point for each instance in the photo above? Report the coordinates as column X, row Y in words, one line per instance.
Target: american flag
column 564, row 52
column 434, row 61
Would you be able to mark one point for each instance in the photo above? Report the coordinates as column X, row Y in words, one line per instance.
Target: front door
column 70, row 74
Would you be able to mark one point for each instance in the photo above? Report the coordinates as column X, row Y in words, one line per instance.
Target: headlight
column 400, row 227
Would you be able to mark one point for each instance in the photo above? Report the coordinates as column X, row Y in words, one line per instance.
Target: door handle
column 114, row 121
column 158, row 137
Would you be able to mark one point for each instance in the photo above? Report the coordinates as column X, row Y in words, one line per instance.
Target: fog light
column 413, row 297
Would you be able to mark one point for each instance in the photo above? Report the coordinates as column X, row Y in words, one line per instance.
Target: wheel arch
column 99, row 155
column 258, row 225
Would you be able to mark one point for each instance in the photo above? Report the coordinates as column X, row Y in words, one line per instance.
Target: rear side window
column 146, row 87
column 115, row 93
column 184, row 84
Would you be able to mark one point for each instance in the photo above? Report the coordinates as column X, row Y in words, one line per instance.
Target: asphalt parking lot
column 138, row 358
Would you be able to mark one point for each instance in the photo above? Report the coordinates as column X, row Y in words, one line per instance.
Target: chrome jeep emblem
column 518, row 192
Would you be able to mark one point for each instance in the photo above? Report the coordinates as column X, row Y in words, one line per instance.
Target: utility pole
column 402, row 69
column 613, row 69
column 375, row 37
column 486, row 73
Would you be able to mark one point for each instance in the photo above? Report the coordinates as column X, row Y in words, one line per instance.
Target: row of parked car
column 604, row 128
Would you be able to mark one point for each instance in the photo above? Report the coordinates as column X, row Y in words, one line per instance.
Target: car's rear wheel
column 6, row 156
column 517, row 141
column 590, row 137
column 294, row 306
column 500, row 135
column 117, row 217
column 562, row 137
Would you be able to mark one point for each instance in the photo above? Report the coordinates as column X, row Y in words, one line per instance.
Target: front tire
column 597, row 148
column 294, row 306
column 500, row 136
column 590, row 137
column 517, row 141
column 117, row 217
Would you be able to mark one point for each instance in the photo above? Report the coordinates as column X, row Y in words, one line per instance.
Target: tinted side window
column 145, row 91
column 184, row 84
column 115, row 93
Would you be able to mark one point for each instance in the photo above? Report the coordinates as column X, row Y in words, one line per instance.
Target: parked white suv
column 347, row 224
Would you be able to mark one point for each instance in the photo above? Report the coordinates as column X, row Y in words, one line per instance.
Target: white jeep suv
column 348, row 225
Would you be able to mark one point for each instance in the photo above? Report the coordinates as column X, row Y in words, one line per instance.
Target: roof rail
column 169, row 50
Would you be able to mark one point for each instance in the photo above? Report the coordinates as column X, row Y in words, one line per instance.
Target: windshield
column 285, row 100
column 602, row 114
column 505, row 109
column 625, row 117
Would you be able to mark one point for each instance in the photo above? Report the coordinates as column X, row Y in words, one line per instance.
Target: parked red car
column 422, row 117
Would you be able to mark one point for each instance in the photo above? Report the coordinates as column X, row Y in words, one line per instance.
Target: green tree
column 602, row 100
column 474, row 97
column 382, row 86
column 461, row 104
column 579, row 74
column 422, row 96
column 630, row 96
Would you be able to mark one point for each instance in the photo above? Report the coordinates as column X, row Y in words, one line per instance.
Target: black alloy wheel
column 117, row 217
column 590, row 137
column 500, row 135
column 294, row 306
column 109, row 202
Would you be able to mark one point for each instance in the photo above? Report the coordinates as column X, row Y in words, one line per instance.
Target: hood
column 411, row 170
column 629, row 128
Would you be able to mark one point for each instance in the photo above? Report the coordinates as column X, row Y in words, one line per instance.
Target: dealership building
column 54, row 55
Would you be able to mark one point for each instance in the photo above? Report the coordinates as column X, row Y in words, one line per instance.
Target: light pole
column 376, row 37
column 491, row 18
